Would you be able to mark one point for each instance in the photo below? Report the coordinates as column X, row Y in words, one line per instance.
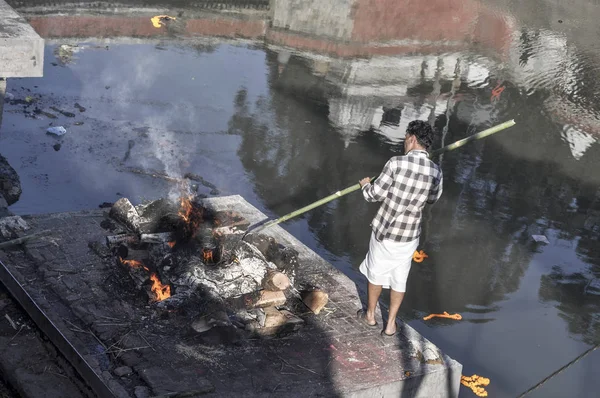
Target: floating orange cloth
column 419, row 256
column 475, row 383
column 158, row 20
column 496, row 92
column 458, row 317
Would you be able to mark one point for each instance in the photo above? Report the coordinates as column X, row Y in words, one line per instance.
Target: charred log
column 160, row 237
column 124, row 212
column 116, row 240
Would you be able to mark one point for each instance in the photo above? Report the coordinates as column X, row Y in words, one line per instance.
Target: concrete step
column 21, row 48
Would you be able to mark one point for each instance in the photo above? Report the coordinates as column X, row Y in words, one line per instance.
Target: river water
column 324, row 100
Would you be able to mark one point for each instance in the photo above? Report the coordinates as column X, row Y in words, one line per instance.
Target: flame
column 189, row 214
column 171, row 244
column 134, row 264
column 207, row 254
column 161, row 291
column 185, row 208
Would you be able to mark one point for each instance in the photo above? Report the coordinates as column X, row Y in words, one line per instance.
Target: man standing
column 404, row 186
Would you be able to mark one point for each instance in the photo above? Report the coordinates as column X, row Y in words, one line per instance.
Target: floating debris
column 159, row 20
column 476, row 383
column 540, row 239
column 49, row 115
column 64, row 113
column 58, row 130
column 64, row 53
column 458, row 317
column 79, row 107
column 419, row 256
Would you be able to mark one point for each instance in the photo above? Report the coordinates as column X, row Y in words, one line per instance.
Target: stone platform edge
column 434, row 374
column 21, row 48
column 434, row 383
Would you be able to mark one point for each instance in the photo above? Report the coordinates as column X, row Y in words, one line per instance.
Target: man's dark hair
column 423, row 131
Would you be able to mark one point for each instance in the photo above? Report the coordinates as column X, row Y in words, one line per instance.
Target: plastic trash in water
column 58, row 131
column 540, row 239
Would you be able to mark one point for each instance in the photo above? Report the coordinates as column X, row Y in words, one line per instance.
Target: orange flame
column 161, row 291
column 185, row 208
column 134, row 264
column 189, row 214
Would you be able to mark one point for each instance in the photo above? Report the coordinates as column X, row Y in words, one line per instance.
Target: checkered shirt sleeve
column 405, row 185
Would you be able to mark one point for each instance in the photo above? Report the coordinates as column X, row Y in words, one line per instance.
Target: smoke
column 163, row 147
column 160, row 149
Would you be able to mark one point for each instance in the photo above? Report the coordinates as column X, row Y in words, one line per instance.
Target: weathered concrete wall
column 21, row 48
column 314, row 17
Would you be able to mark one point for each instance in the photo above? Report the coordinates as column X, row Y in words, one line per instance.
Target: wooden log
column 315, row 300
column 259, row 299
column 273, row 318
column 116, row 240
column 126, row 213
column 161, row 237
column 275, row 281
column 267, row 299
column 23, row 239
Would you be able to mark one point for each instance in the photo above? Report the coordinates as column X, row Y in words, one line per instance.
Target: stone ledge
column 21, row 48
column 332, row 355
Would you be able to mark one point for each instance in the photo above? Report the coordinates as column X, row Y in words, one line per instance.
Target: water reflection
column 343, row 80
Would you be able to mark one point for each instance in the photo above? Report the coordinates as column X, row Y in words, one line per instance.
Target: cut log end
column 275, row 281
column 316, row 300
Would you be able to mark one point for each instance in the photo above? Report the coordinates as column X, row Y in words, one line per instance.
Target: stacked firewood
column 248, row 283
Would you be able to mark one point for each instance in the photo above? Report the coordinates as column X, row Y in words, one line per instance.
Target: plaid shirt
column 404, row 186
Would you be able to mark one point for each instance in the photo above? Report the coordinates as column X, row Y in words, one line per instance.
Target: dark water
column 284, row 126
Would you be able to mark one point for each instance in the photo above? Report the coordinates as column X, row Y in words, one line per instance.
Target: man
column 404, row 186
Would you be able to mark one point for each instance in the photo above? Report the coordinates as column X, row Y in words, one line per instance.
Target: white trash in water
column 540, row 238
column 60, row 130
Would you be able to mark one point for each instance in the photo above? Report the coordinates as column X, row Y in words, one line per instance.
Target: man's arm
column 436, row 191
column 377, row 191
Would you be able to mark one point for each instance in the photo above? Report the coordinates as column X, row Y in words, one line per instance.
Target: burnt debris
column 182, row 254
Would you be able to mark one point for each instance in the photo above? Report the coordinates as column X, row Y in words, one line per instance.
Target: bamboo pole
column 24, row 239
column 355, row 187
column 474, row 137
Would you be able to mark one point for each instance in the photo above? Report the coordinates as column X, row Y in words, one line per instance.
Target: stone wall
column 21, row 49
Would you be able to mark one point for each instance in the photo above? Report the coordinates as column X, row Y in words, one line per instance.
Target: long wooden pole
column 355, row 187
column 24, row 239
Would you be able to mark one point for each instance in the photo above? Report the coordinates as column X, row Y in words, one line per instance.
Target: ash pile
column 186, row 256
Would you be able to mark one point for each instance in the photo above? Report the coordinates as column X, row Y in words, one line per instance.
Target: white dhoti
column 388, row 262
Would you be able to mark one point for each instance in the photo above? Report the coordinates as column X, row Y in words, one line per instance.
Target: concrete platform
column 21, row 48
column 333, row 355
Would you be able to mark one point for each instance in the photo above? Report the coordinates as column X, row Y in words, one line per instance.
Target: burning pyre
column 178, row 251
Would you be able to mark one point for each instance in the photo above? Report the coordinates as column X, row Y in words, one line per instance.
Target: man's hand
column 364, row 181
